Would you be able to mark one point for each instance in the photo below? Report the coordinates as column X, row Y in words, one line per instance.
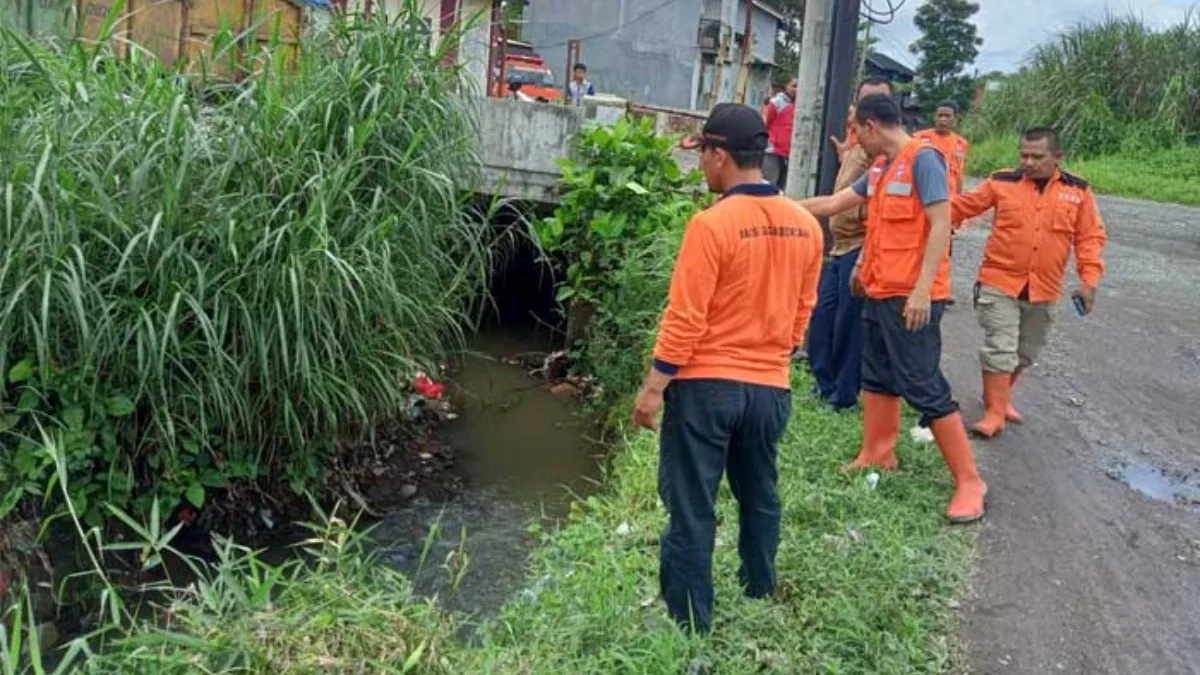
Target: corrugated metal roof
column 888, row 63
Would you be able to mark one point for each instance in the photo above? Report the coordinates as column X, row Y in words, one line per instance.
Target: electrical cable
column 881, row 17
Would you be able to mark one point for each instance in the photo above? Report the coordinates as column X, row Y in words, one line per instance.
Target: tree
column 949, row 43
column 513, row 15
column 787, row 42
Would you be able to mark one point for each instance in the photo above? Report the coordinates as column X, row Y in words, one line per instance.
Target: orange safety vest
column 954, row 148
column 898, row 231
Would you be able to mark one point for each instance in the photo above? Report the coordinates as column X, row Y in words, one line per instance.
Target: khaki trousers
column 1015, row 331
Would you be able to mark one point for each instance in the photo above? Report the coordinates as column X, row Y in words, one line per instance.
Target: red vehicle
column 525, row 75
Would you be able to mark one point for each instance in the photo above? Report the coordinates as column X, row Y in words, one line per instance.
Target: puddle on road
column 1157, row 483
column 522, row 452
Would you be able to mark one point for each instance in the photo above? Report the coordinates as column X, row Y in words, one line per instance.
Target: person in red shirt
column 781, row 119
column 1042, row 214
column 904, row 271
column 744, row 285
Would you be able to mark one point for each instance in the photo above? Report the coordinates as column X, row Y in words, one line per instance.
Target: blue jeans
column 710, row 428
column 900, row 362
column 835, row 334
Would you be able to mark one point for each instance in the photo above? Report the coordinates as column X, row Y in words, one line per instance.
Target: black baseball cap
column 732, row 126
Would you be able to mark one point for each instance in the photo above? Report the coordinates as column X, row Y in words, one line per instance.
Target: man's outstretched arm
column 834, row 204
column 966, row 206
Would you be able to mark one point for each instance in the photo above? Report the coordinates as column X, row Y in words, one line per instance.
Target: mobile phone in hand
column 1080, row 308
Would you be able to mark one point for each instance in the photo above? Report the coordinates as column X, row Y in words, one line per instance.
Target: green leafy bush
column 625, row 203
column 248, row 274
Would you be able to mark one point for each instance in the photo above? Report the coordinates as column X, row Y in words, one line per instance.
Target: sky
column 1009, row 28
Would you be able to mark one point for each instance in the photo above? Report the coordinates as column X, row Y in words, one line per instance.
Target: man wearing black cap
column 744, row 285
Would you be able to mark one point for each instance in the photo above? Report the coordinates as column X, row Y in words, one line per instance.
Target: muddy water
column 1157, row 483
column 522, row 452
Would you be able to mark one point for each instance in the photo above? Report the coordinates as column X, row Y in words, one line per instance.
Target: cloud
column 1010, row 28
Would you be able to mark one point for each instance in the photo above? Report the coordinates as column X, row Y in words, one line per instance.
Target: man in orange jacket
column 952, row 146
column 744, row 285
column 1042, row 213
column 904, row 270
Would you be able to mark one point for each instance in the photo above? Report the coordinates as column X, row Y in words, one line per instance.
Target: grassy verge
column 867, row 576
column 1156, row 175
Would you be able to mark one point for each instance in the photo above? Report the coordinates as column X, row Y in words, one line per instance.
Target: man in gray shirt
column 904, row 271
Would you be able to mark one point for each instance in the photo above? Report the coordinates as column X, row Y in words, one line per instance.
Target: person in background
column 775, row 91
column 952, row 146
column 781, row 118
column 904, row 271
column 835, row 336
column 744, row 285
column 579, row 87
column 1042, row 214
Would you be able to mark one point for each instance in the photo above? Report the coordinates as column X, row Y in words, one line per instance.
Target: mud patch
column 1158, row 483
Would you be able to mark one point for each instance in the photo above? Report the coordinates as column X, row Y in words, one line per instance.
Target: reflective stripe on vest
column 897, row 230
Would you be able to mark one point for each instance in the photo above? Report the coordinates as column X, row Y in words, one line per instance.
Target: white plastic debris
column 920, row 434
column 872, row 480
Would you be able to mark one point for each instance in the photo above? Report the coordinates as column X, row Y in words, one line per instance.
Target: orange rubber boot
column 1012, row 414
column 967, row 505
column 881, row 431
column 996, row 398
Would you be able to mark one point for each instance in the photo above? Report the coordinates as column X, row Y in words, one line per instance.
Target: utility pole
column 719, row 66
column 747, row 50
column 806, row 135
column 839, row 89
column 724, row 62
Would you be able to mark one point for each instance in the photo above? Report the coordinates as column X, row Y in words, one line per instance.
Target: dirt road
column 1076, row 571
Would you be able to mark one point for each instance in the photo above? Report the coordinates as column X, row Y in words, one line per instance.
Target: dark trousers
column 775, row 170
column 835, row 334
column 711, row 427
column 900, row 362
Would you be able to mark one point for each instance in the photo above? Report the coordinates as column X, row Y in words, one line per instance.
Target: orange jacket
column 897, row 232
column 744, row 286
column 954, row 148
column 1033, row 232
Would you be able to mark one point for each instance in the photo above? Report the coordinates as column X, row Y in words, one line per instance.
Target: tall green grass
column 1168, row 175
column 1112, row 85
column 204, row 282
